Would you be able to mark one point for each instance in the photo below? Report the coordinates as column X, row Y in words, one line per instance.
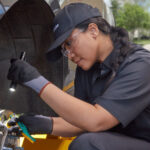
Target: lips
column 78, row 62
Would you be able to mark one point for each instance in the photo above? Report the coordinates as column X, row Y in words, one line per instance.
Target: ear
column 93, row 30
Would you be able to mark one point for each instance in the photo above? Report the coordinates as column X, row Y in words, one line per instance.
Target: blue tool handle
column 25, row 130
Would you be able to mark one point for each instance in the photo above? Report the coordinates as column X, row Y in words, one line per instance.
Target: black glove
column 36, row 124
column 21, row 72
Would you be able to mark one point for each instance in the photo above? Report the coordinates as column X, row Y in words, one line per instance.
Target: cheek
column 88, row 56
column 89, row 51
column 85, row 48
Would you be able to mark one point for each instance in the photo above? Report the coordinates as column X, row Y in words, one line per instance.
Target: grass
column 142, row 42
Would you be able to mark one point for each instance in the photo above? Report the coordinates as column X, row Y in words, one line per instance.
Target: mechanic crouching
column 111, row 107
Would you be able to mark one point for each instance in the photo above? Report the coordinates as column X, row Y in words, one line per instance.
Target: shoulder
column 138, row 53
column 139, row 58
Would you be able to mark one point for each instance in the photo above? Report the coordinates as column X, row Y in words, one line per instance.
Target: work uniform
column 127, row 98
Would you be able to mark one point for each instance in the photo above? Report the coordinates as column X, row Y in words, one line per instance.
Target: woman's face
column 82, row 48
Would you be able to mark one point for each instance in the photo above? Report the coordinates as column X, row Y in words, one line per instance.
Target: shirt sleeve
column 129, row 93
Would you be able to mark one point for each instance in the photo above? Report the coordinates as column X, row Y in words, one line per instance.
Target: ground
column 147, row 46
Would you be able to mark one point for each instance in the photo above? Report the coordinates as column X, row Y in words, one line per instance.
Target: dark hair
column 119, row 36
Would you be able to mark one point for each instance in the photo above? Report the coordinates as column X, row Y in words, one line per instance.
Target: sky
column 145, row 3
column 108, row 2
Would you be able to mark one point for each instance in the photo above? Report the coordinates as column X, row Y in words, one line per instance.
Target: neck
column 105, row 48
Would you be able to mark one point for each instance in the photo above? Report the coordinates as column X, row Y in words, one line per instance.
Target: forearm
column 65, row 129
column 71, row 109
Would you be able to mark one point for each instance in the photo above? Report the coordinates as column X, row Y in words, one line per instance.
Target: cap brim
column 54, row 52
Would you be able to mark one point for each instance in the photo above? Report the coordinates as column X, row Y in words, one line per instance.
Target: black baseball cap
column 64, row 23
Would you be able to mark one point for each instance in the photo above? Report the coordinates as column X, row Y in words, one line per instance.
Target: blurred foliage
column 130, row 16
column 115, row 7
column 141, row 42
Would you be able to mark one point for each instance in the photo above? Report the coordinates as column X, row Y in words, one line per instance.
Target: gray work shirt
column 127, row 97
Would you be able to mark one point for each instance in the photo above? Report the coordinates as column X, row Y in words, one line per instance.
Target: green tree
column 146, row 22
column 132, row 17
column 115, row 7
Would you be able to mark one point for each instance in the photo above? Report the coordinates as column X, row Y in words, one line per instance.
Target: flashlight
column 13, row 84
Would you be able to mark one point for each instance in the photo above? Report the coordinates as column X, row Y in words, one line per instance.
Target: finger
column 27, row 119
column 21, row 119
column 24, row 117
column 12, row 73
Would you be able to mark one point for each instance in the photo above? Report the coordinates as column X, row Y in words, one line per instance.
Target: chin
column 86, row 67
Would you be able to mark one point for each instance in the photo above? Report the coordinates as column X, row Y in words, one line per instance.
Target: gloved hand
column 23, row 73
column 36, row 124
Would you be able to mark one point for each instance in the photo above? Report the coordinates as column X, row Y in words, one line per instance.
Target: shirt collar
column 111, row 57
column 103, row 69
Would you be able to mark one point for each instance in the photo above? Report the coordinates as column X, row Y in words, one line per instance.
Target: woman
column 111, row 107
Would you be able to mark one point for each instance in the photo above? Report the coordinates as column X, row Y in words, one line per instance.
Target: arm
column 65, row 129
column 73, row 110
column 78, row 113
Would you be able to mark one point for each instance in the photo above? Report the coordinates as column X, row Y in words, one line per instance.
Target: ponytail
column 119, row 36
